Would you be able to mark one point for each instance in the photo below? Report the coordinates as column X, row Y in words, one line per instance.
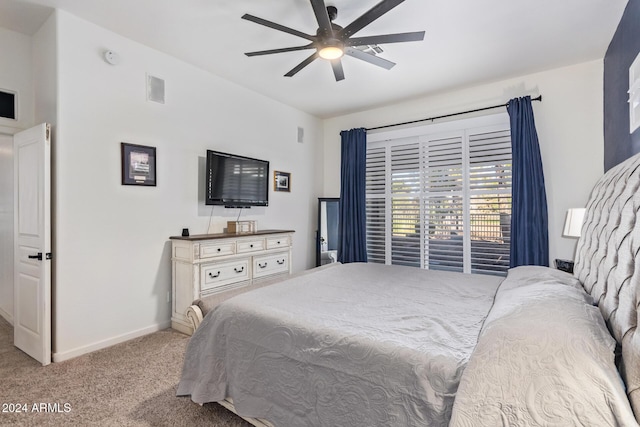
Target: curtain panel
column 352, row 243
column 529, row 222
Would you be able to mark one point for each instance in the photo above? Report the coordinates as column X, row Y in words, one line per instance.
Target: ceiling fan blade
column 368, row 17
column 367, row 57
column 320, row 10
column 338, row 71
column 301, row 65
column 386, row 38
column 278, row 27
column 284, row 49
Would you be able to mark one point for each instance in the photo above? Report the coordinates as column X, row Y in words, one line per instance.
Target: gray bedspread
column 354, row 345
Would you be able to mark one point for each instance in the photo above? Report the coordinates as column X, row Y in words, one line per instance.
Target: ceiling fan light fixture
column 332, row 41
column 331, row 52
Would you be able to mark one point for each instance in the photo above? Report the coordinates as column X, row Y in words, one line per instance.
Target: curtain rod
column 539, row 98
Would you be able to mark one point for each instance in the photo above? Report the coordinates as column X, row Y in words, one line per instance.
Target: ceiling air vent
column 372, row 49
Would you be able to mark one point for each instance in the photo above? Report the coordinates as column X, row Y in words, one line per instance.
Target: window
column 439, row 196
column 7, row 104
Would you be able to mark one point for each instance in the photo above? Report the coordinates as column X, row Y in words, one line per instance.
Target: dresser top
column 228, row 235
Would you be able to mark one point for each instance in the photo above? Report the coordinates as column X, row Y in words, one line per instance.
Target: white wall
column 112, row 246
column 6, row 227
column 569, row 123
column 44, row 49
column 45, row 74
column 15, row 75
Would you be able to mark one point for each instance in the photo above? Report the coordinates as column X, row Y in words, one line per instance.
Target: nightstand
column 564, row 265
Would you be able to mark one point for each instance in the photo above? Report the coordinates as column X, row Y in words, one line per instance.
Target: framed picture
column 281, row 181
column 138, row 164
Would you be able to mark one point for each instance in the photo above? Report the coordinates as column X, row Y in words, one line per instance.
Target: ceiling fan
column 332, row 41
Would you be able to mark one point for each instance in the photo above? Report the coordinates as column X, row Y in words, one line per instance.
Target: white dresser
column 211, row 263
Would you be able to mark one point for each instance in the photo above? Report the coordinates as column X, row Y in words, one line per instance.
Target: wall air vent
column 155, row 89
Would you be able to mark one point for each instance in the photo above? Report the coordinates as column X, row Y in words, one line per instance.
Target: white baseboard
column 7, row 316
column 61, row 357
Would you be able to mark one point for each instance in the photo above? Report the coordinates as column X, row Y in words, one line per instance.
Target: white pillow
column 544, row 358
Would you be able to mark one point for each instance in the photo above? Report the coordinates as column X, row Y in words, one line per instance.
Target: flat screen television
column 236, row 181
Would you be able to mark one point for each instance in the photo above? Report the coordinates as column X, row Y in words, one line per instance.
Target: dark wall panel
column 619, row 144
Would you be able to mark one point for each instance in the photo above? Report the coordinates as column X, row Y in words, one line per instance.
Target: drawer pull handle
column 251, row 245
column 213, row 276
column 278, row 241
column 262, row 265
column 238, row 271
column 280, row 262
column 219, row 249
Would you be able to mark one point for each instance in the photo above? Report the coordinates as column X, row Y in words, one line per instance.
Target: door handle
column 39, row 256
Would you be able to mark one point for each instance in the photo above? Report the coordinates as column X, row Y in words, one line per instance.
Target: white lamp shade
column 331, row 52
column 573, row 223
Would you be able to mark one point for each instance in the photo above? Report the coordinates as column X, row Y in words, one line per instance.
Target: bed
column 373, row 345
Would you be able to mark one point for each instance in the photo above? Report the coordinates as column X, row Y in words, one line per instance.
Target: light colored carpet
column 130, row 384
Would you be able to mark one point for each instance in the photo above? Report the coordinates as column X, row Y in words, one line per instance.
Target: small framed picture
column 281, row 181
column 138, row 164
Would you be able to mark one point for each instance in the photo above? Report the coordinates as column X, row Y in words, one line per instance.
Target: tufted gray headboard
column 608, row 263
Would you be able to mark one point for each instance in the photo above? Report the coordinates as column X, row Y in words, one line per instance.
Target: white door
column 32, row 241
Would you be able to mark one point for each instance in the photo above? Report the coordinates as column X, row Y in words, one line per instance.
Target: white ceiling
column 467, row 42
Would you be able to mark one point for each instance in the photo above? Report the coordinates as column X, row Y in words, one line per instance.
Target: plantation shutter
column 490, row 200
column 441, row 201
column 405, row 204
column 375, row 204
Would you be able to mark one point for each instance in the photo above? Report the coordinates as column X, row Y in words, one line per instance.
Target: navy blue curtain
column 529, row 223
column 352, row 243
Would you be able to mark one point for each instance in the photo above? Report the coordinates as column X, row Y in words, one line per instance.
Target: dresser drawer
column 217, row 249
column 223, row 273
column 270, row 264
column 278, row 242
column 245, row 246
